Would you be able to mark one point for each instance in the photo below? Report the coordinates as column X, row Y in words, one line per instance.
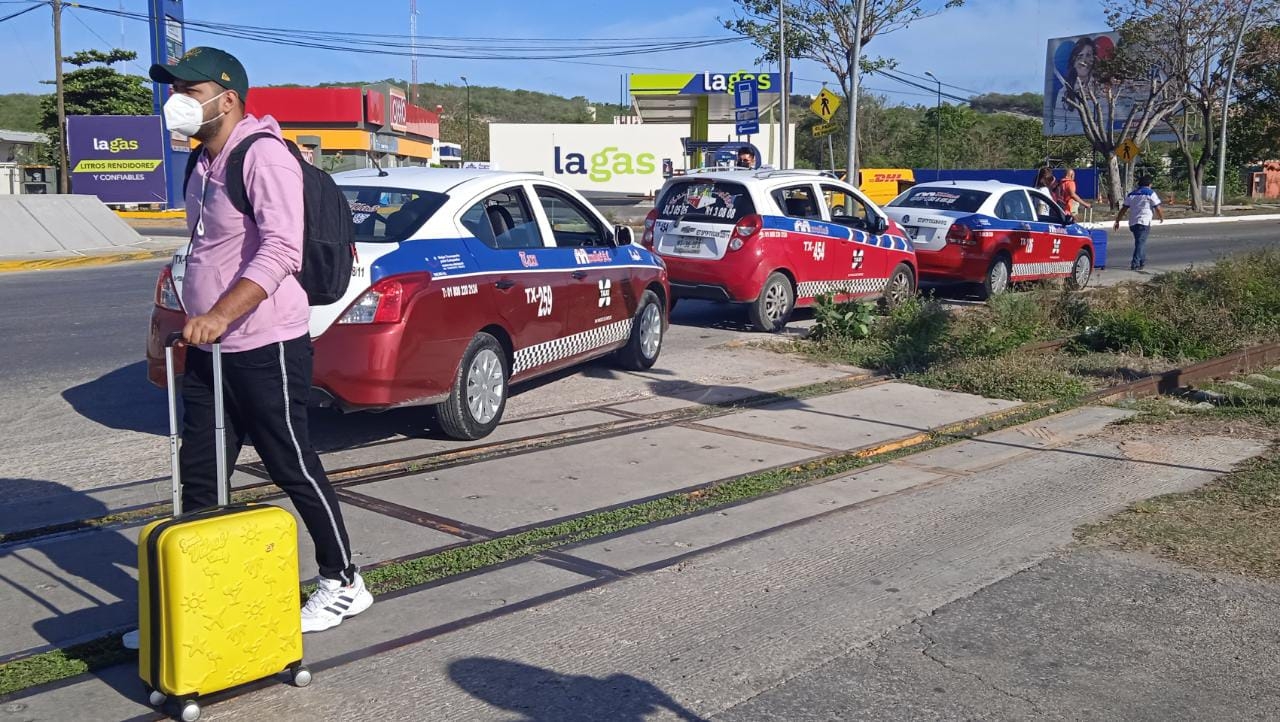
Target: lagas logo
column 605, row 164
column 115, row 145
column 725, row 83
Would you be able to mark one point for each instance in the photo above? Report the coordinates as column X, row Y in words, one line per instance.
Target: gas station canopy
column 696, row 98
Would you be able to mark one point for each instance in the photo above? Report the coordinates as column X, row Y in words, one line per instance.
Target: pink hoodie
column 227, row 245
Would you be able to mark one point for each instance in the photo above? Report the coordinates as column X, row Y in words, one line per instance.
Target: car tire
column 901, row 287
column 479, row 392
column 996, row 281
column 647, row 331
column 1081, row 271
column 772, row 309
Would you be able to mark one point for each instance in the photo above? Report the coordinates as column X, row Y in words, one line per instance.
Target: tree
column 1127, row 96
column 1255, row 129
column 823, row 30
column 1192, row 42
column 95, row 88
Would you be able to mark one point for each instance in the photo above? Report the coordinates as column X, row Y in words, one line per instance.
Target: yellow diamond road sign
column 1127, row 151
column 825, row 105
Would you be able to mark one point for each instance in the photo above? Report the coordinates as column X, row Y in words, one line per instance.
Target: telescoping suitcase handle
column 219, row 423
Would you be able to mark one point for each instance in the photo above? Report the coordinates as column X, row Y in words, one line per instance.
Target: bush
column 850, row 320
column 1009, row 322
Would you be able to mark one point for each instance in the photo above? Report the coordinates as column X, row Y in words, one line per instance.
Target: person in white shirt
column 1143, row 204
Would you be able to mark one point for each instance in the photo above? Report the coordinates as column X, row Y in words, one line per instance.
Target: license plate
column 914, row 232
column 688, row 245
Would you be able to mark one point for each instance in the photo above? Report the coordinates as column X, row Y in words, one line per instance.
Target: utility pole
column 64, row 184
column 783, row 155
column 937, row 122
column 1226, row 105
column 855, row 76
column 468, row 145
column 413, row 44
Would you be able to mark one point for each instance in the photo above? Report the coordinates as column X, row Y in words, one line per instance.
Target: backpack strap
column 237, row 191
column 193, row 159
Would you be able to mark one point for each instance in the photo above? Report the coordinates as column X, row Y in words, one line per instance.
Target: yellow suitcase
column 219, row 603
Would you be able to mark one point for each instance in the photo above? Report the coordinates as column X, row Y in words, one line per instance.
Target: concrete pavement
column 735, row 611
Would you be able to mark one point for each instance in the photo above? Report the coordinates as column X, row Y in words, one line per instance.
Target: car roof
column 431, row 180
column 743, row 175
column 989, row 186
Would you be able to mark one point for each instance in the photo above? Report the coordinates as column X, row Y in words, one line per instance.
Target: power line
column 106, row 42
column 43, row 3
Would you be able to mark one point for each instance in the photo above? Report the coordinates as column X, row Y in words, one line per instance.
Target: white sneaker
column 131, row 640
column 331, row 603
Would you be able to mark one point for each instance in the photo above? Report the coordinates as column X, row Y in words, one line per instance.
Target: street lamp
column 468, row 145
column 937, row 122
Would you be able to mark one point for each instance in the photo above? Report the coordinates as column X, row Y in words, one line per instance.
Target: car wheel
column 997, row 280
column 1081, row 271
column 645, row 344
column 902, row 286
column 772, row 309
column 479, row 392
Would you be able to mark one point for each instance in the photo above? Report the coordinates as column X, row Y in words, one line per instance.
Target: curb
column 47, row 264
column 153, row 215
column 1194, row 221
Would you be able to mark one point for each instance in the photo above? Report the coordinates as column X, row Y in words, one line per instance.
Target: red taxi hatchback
column 776, row 240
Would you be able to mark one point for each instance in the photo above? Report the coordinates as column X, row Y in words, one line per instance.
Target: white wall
column 603, row 158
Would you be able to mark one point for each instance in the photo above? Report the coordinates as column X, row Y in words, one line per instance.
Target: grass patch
column 1017, row 377
column 61, row 664
column 1233, row 525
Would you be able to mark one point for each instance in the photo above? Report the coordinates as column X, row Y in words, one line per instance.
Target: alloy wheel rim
column 999, row 278
column 1082, row 271
column 650, row 331
column 900, row 287
column 775, row 302
column 484, row 386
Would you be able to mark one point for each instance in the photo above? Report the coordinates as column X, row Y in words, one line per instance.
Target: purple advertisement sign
column 118, row 158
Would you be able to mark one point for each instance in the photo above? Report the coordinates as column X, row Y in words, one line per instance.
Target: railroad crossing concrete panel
column 537, row 487
column 116, row 693
column 861, row 417
column 62, row 589
column 406, row 447
column 672, row 540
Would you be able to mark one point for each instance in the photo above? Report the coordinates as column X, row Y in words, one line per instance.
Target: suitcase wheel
column 157, row 698
column 190, row 711
column 301, row 676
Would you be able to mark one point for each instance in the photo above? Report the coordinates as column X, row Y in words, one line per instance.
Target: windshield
column 706, row 202
column 941, row 198
column 390, row 215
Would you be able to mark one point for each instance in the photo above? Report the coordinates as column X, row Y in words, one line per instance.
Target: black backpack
column 329, row 238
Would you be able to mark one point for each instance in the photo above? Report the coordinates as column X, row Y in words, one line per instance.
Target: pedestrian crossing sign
column 825, row 105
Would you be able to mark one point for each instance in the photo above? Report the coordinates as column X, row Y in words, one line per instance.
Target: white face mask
column 185, row 115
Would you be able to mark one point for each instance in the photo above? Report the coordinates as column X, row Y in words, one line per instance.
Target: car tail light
column 744, row 230
column 385, row 301
column 166, row 291
column 650, row 220
column 961, row 235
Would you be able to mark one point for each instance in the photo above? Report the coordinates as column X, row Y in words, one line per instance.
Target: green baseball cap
column 205, row 64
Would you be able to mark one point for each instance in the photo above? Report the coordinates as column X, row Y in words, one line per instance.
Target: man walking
column 241, row 287
column 1142, row 204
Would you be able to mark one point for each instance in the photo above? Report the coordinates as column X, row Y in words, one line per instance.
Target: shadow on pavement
column 542, row 695
column 85, row 589
column 122, row 399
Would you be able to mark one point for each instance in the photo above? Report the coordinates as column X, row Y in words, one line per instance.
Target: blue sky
column 985, row 46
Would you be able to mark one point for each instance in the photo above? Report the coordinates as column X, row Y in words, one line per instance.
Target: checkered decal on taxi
column 1041, row 269
column 563, row 348
column 813, row 289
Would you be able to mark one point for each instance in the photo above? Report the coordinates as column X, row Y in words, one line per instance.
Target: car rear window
column 706, row 201
column 941, row 198
column 390, row 215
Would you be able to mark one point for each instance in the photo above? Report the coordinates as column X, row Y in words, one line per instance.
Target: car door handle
column 579, row 275
column 505, row 284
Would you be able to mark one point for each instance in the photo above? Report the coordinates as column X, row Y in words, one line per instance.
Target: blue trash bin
column 1099, row 237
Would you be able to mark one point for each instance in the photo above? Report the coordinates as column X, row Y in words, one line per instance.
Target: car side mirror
column 880, row 224
column 1071, row 220
column 623, row 236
